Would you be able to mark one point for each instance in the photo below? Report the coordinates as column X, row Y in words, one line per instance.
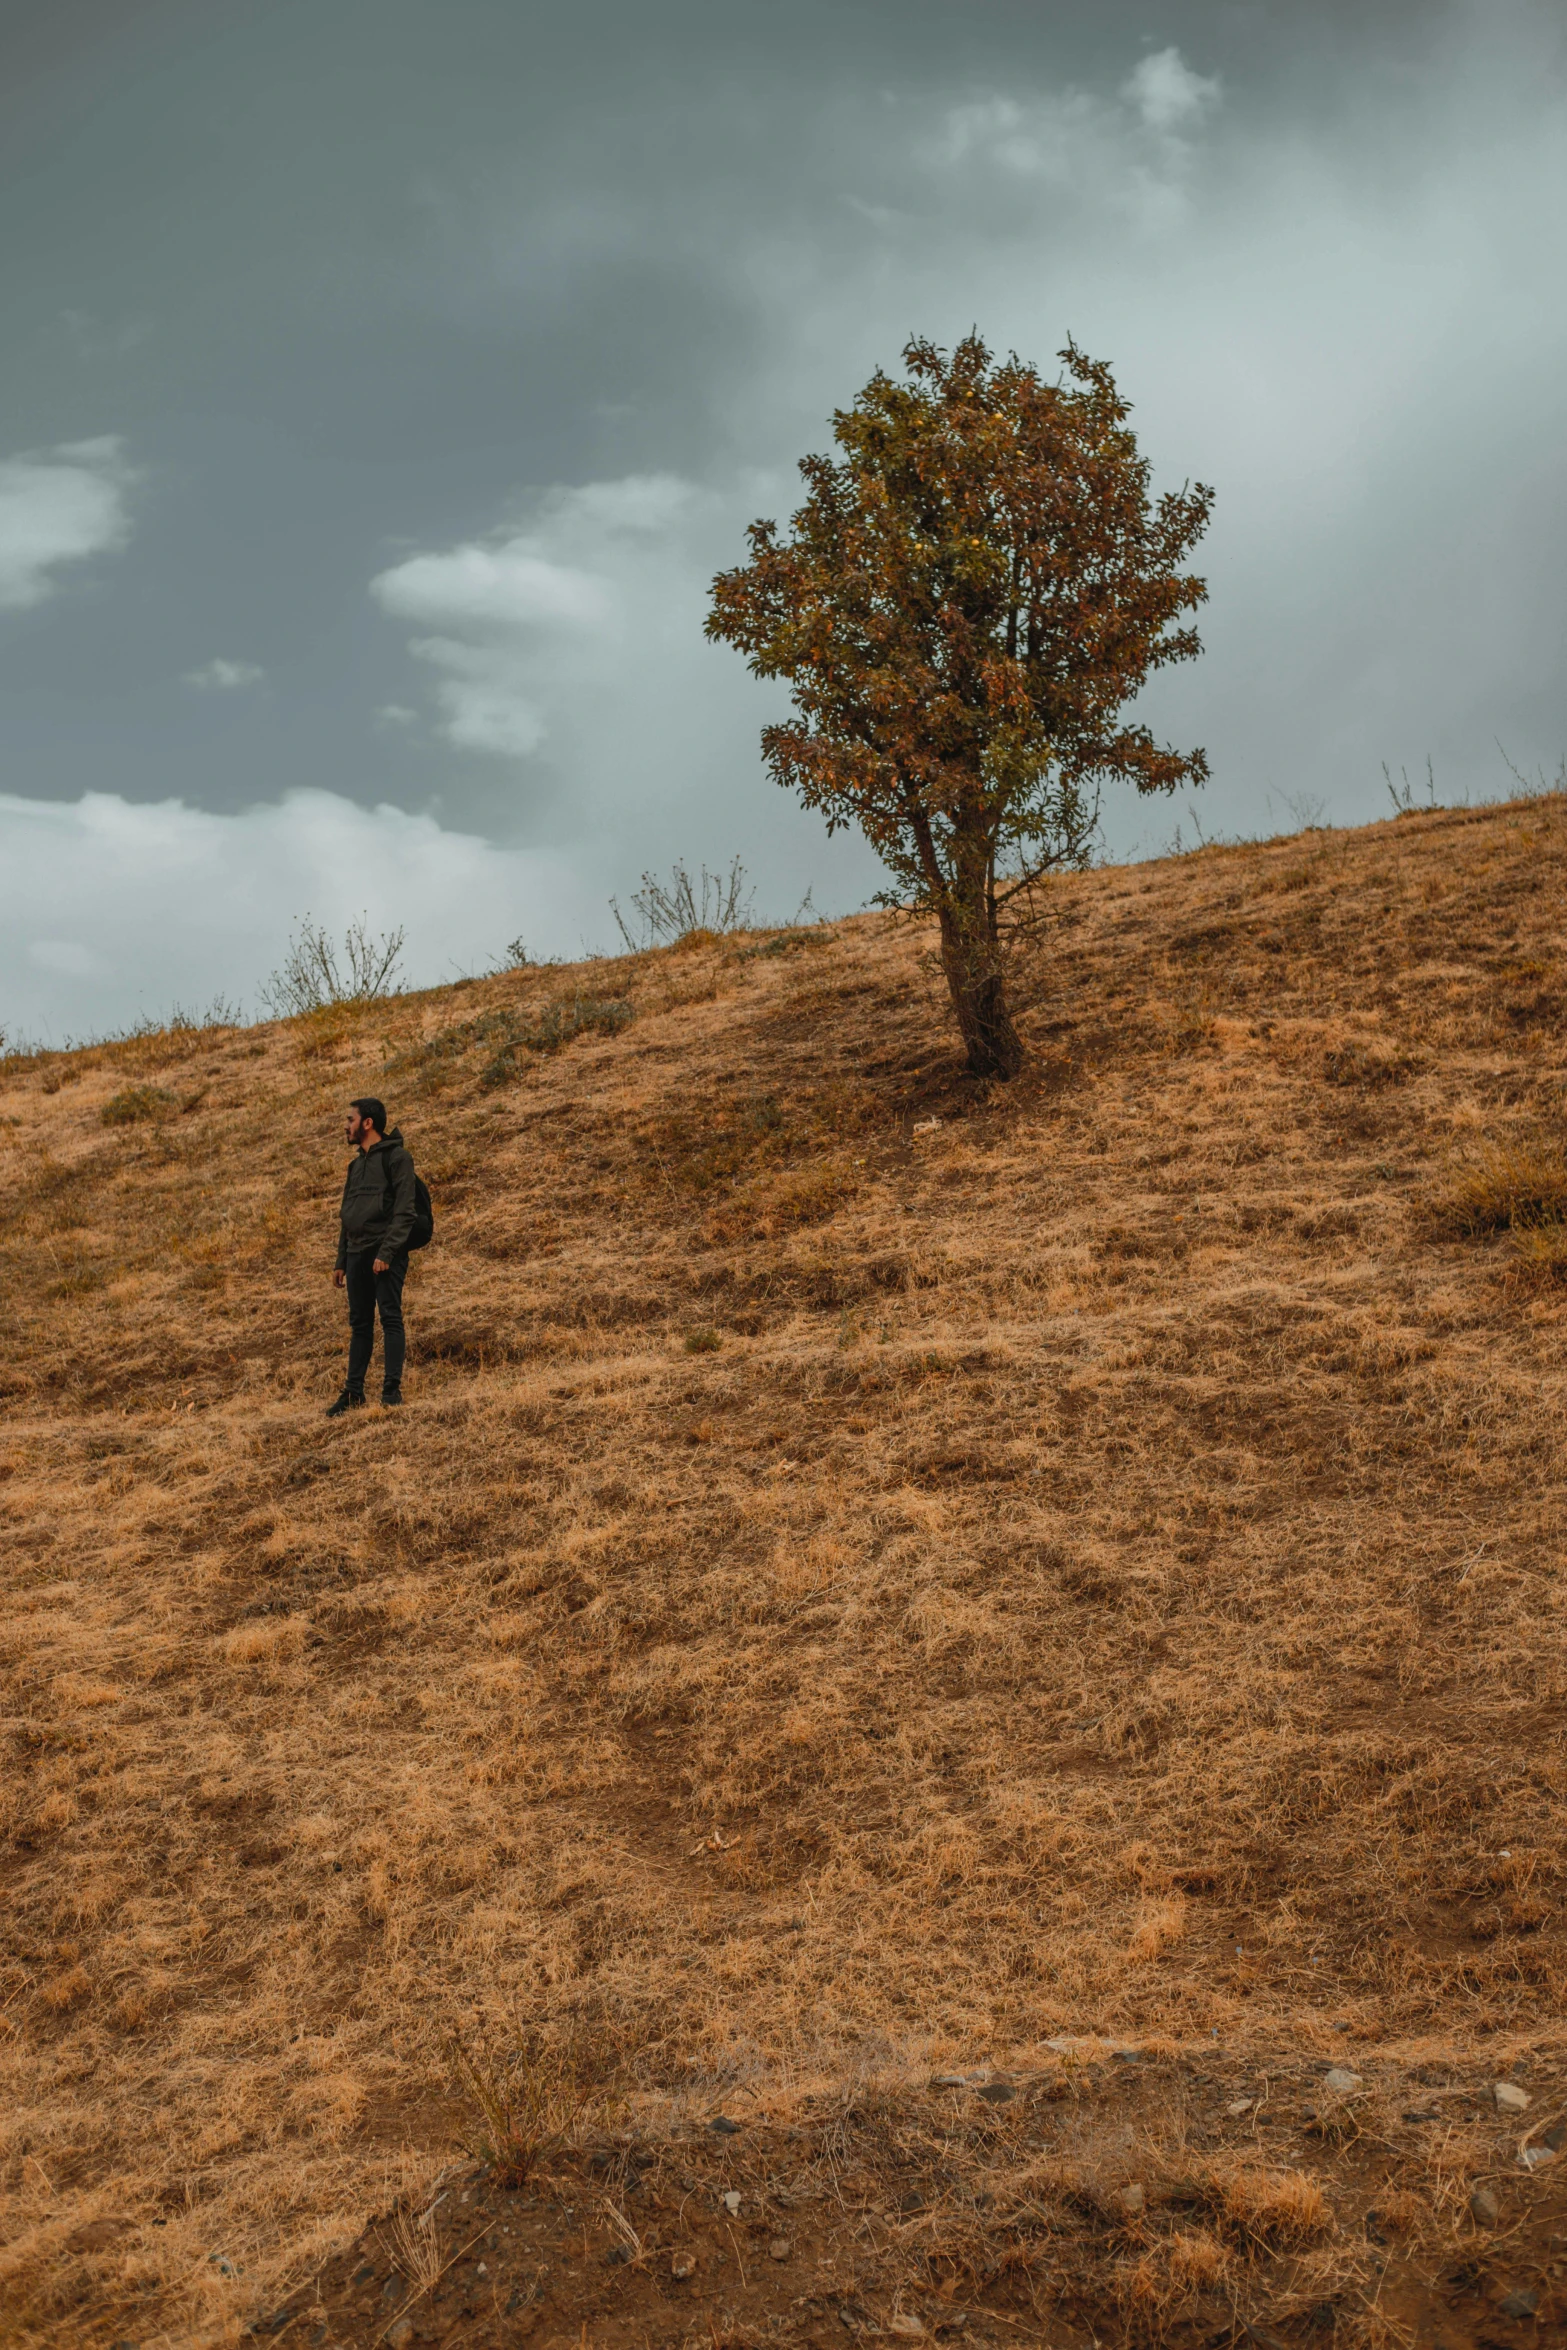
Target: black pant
column 367, row 1291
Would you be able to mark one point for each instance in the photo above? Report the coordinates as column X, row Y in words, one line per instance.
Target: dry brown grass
column 1106, row 1578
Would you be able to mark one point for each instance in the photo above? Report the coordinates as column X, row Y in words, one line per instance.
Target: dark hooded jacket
column 378, row 1201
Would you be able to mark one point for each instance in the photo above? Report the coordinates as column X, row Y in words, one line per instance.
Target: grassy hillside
column 874, row 1577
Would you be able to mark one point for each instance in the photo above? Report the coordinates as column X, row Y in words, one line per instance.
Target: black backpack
column 423, row 1230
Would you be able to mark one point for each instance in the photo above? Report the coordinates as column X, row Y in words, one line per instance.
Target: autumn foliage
column 970, row 595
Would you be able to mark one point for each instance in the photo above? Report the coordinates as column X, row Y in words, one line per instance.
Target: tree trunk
column 978, row 991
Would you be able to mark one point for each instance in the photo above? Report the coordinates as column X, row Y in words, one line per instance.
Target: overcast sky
column 383, row 381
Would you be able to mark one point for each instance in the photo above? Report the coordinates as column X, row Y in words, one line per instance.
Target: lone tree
column 969, row 596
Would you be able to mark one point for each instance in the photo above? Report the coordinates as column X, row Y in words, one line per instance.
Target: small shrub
column 530, row 2100
column 134, row 1104
column 685, row 912
column 556, row 1026
column 1514, row 1187
column 311, row 975
column 703, row 1342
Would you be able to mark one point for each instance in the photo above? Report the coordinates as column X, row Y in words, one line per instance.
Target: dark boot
column 346, row 1402
column 391, row 1395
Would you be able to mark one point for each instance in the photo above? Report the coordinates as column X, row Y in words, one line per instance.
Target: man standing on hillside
column 374, row 1225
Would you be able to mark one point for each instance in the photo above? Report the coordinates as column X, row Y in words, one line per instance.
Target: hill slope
column 872, row 1575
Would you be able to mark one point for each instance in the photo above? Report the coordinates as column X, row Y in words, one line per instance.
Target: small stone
column 481, row 2270
column 1484, row 2209
column 731, row 2203
column 1340, row 2080
column 780, row 2248
column 401, row 2333
column 1536, row 2157
column 996, row 2093
column 1238, row 2106
column 903, row 2321
column 1509, row 2097
column 723, row 2127
column 683, row 2265
column 949, row 2080
column 1556, row 2137
column 1134, row 2200
column 1519, row 2304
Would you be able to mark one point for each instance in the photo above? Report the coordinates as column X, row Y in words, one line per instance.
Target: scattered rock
column 1134, row 2200
column 903, row 2321
column 731, row 2203
column 1519, row 2304
column 909, row 2204
column 1536, row 2157
column 1509, row 2097
column 1484, row 2209
column 1340, row 2080
column 995, row 2093
column 1238, row 2106
column 1556, row 2137
column 401, row 2333
column 780, row 2248
column 724, row 2127
column 683, row 2265
column 949, row 2080
column 1430, row 2115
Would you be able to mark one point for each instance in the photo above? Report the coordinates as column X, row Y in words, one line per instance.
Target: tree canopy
column 970, row 595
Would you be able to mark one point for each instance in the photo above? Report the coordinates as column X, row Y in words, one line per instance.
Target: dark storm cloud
column 444, row 351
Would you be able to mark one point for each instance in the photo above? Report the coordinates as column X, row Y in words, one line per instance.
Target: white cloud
column 523, row 622
column 1167, row 94
column 484, row 694
column 59, row 506
column 509, row 586
column 109, row 909
column 1094, row 163
column 220, row 676
column 1044, row 138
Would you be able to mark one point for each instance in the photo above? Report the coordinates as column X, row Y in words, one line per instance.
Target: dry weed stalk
column 532, row 2096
